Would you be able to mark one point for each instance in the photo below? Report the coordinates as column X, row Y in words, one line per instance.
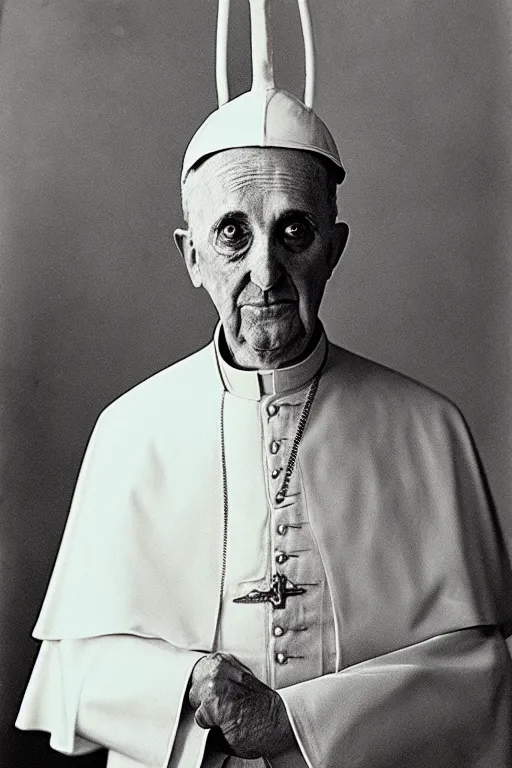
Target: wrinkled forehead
column 254, row 178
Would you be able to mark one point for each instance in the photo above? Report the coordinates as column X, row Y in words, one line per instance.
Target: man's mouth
column 272, row 311
column 269, row 304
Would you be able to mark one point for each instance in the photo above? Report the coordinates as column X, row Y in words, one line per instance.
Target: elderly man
column 278, row 551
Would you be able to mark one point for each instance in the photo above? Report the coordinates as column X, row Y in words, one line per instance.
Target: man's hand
column 250, row 715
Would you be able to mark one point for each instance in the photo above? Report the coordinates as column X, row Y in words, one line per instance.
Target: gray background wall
column 97, row 101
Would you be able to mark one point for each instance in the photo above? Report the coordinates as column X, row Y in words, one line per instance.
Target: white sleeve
column 121, row 692
column 445, row 702
column 51, row 699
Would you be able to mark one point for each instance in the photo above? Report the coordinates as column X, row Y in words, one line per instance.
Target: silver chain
column 281, row 494
column 225, row 513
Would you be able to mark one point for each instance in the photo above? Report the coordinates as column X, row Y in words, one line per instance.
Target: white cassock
column 392, row 655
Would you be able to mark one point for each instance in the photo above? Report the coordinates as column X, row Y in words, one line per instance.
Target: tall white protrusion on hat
column 309, row 52
column 221, row 60
column 265, row 116
column 261, row 46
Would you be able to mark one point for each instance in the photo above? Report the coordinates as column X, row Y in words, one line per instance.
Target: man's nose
column 265, row 268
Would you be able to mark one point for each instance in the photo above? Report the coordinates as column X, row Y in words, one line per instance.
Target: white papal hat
column 265, row 116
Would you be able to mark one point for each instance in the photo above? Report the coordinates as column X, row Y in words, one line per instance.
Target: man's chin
column 272, row 336
column 267, row 337
column 276, row 348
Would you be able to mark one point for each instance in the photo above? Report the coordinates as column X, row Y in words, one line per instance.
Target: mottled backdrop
column 97, row 101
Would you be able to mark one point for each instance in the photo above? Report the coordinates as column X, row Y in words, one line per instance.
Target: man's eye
column 297, row 234
column 232, row 233
column 297, row 230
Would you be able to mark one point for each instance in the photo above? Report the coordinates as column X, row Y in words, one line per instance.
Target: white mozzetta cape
column 395, row 497
column 396, row 501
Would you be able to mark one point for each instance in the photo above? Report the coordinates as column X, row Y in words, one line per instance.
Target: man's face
column 263, row 242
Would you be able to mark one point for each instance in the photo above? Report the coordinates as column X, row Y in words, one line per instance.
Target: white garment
column 391, row 510
column 254, row 417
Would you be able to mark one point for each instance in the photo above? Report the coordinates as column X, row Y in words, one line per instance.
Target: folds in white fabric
column 119, row 691
column 442, row 703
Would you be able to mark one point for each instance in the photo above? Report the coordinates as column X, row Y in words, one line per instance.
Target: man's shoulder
column 379, row 409
column 371, row 382
column 184, row 382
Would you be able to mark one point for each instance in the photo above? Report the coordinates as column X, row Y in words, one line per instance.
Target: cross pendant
column 279, row 592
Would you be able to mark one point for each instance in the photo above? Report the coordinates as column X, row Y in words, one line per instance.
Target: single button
column 276, row 473
column 281, row 557
column 274, row 446
column 272, row 409
column 281, row 658
column 280, row 497
column 278, row 631
column 282, row 529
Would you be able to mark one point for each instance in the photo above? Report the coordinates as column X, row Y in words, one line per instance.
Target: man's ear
column 338, row 243
column 185, row 246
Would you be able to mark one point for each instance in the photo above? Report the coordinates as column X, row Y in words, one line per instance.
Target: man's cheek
column 308, row 288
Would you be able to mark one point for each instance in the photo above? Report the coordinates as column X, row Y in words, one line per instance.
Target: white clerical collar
column 253, row 385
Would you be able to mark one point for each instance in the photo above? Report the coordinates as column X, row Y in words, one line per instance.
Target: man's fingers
column 227, row 660
column 200, row 691
column 215, row 671
column 203, row 717
column 193, row 697
column 211, row 664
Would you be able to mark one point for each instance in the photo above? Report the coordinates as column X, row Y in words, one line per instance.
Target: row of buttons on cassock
column 282, row 529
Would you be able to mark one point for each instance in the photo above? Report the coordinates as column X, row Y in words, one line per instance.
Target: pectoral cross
column 279, row 592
